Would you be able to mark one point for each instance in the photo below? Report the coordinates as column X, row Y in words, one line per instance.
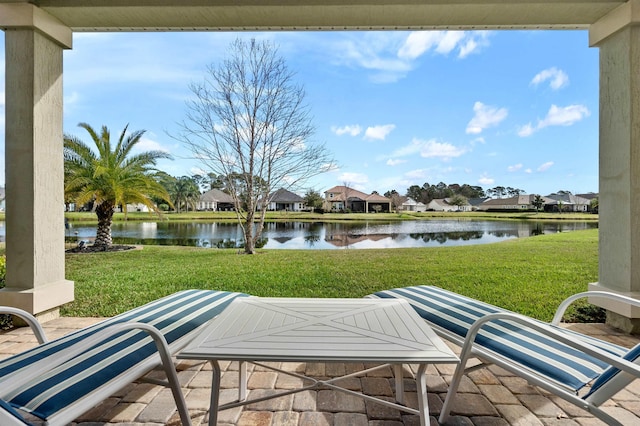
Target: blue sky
column 395, row 109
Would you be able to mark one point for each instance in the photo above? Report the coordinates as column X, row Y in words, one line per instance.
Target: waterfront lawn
column 527, row 275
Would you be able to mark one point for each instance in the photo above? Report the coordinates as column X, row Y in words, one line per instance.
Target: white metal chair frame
column 82, row 405
column 590, row 404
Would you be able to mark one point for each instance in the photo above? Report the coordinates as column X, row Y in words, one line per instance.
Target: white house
column 215, row 200
column 284, row 200
column 411, row 205
column 444, row 205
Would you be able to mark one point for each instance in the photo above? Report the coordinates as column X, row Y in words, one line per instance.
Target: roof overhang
column 227, row 15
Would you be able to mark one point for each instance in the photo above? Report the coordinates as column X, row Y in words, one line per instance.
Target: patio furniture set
column 59, row 380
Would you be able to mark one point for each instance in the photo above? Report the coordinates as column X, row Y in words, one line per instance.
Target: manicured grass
column 529, row 275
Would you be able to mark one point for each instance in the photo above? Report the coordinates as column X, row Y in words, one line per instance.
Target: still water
column 322, row 235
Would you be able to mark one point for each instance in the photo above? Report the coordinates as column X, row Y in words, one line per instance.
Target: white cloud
column 352, row 130
column 413, row 148
column 528, row 171
column 514, row 168
column 392, row 162
column 417, row 174
column 485, row 180
column 526, row 130
column 564, row 116
column 329, row 167
column 485, row 116
column 147, row 144
column 442, row 42
column 197, row 171
column 546, row 166
column 557, row 116
column 468, row 48
column 431, row 149
column 374, row 51
column 392, row 55
column 557, row 78
column 353, row 178
column 379, row 132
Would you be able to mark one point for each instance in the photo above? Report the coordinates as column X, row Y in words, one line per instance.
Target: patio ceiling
column 195, row 15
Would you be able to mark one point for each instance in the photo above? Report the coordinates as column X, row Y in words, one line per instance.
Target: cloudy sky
column 395, row 109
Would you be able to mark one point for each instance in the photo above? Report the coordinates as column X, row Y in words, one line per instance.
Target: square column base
column 619, row 315
column 626, row 325
column 40, row 299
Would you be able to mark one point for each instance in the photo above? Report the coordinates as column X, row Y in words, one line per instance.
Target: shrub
column 3, row 270
column 5, row 320
column 587, row 313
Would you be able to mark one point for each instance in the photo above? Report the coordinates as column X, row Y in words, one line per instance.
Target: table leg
column 215, row 394
column 397, row 372
column 242, row 381
column 423, row 404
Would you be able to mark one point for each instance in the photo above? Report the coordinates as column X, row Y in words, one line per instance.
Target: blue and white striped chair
column 57, row 381
column 556, row 359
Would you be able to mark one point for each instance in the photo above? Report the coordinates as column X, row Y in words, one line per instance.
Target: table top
column 319, row 330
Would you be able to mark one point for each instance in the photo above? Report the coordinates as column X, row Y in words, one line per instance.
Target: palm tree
column 184, row 192
column 113, row 176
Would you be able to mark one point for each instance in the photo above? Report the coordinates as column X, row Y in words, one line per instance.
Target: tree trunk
column 249, row 243
column 105, row 216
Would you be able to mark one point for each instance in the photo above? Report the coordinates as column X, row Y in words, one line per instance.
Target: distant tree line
column 457, row 192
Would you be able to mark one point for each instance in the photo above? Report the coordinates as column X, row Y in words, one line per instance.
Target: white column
column 618, row 38
column 34, row 165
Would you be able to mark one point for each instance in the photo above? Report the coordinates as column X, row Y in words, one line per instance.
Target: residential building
column 284, row 200
column 520, row 203
column 567, row 203
column 444, row 205
column 411, row 205
column 345, row 199
column 215, row 200
column 137, row 207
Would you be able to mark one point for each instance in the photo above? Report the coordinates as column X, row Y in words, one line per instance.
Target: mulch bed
column 99, row 249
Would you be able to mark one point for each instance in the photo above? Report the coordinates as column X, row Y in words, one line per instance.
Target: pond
column 327, row 235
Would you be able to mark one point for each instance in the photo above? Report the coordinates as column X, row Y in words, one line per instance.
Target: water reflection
column 332, row 235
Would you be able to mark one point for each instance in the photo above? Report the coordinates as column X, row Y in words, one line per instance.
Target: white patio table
column 256, row 329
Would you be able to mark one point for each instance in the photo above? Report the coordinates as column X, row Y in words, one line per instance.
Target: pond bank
column 333, row 217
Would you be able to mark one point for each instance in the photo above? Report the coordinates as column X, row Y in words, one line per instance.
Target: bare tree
column 248, row 123
column 346, row 194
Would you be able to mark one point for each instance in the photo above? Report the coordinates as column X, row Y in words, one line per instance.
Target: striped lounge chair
column 59, row 380
column 583, row 370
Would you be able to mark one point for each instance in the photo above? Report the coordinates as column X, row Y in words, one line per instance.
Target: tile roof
column 351, row 193
column 284, row 196
column 215, row 195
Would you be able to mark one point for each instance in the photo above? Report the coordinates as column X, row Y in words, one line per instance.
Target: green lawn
column 529, row 275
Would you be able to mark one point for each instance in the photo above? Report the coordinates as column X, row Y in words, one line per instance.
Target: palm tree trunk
column 105, row 216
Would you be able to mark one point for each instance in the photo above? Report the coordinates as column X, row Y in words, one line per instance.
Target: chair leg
column 453, row 387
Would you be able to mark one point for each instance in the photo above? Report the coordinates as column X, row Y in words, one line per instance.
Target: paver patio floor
column 487, row 397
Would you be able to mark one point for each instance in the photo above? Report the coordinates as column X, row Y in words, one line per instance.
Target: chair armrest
column 8, row 419
column 557, row 318
column 44, row 365
column 551, row 332
column 33, row 323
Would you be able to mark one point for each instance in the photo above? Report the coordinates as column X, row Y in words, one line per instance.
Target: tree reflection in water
column 327, row 235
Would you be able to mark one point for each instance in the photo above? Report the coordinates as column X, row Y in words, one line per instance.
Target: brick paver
column 488, row 397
